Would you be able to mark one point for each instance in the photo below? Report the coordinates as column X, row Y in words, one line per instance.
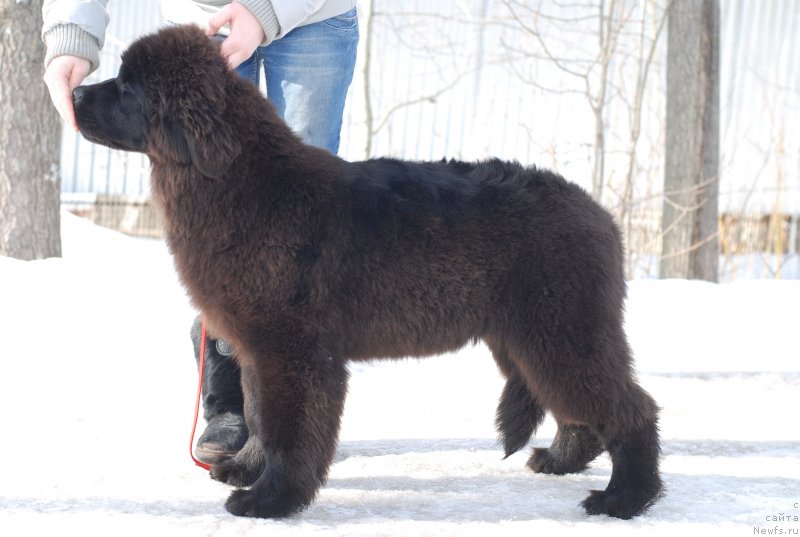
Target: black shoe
column 224, row 436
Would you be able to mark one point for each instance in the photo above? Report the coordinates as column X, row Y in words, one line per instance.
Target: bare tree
column 691, row 180
column 610, row 50
column 29, row 139
column 645, row 58
column 646, row 53
column 442, row 61
column 592, row 73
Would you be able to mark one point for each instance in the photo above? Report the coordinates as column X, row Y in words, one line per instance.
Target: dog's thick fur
column 304, row 261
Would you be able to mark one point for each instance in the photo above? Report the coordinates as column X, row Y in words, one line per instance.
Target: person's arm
column 74, row 28
column 258, row 22
column 74, row 32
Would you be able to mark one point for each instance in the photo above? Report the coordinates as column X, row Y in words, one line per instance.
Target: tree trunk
column 30, row 133
column 691, row 179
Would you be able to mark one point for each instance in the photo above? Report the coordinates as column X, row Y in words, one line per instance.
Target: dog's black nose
column 77, row 94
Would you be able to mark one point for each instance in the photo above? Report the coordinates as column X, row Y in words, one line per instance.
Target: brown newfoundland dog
column 304, row 261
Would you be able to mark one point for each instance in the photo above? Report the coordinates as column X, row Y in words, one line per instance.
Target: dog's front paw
column 243, row 469
column 235, row 473
column 244, row 503
column 254, row 503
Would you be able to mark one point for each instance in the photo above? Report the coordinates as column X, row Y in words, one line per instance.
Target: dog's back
column 434, row 254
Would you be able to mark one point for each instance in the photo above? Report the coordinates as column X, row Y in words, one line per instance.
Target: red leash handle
column 199, row 463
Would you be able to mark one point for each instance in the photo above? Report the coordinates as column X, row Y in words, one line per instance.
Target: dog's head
column 169, row 101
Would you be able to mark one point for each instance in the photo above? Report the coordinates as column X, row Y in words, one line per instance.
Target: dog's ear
column 212, row 154
column 174, row 141
column 192, row 129
column 201, row 138
column 213, row 146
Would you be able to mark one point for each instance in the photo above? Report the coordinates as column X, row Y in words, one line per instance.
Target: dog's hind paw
column 542, row 461
column 616, row 504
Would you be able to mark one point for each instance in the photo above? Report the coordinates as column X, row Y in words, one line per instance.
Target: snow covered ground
column 97, row 386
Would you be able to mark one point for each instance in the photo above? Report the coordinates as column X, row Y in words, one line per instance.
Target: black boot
column 223, row 401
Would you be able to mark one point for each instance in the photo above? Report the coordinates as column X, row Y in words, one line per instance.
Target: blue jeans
column 307, row 74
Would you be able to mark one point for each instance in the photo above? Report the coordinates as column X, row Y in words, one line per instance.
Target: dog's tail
column 518, row 416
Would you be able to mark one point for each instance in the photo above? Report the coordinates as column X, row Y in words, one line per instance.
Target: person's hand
column 64, row 74
column 245, row 36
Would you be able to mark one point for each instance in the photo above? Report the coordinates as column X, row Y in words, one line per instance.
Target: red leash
column 199, row 394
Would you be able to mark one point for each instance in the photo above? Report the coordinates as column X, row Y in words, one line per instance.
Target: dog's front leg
column 243, row 469
column 294, row 397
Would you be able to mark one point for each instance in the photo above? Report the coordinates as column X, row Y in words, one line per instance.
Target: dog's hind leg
column 593, row 387
column 299, row 398
column 573, row 448
column 519, row 415
column 635, row 483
